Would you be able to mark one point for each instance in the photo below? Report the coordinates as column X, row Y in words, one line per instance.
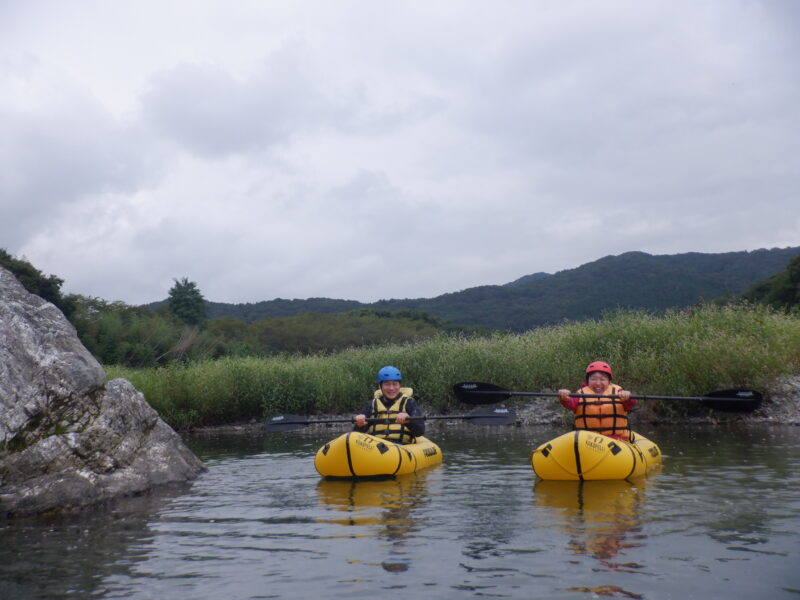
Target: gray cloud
column 364, row 151
column 51, row 163
column 209, row 111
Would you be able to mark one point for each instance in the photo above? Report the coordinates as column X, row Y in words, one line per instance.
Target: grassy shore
column 681, row 353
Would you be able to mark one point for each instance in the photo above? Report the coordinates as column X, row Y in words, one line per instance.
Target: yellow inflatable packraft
column 357, row 454
column 586, row 455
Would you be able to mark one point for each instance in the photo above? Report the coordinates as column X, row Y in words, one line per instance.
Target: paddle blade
column 735, row 401
column 285, row 423
column 474, row 392
column 498, row 415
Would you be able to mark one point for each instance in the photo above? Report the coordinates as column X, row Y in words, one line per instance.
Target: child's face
column 598, row 381
column 390, row 389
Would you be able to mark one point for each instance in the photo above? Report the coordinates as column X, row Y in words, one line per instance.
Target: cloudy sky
column 371, row 149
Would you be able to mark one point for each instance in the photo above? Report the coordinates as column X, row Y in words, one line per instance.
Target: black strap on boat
column 349, row 458
column 578, row 468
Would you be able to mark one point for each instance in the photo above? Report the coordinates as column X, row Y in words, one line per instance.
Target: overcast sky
column 367, row 149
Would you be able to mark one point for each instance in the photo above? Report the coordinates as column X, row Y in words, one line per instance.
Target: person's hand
column 402, row 418
column 563, row 394
column 624, row 395
column 361, row 420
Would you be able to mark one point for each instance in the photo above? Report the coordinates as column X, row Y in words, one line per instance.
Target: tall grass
column 688, row 352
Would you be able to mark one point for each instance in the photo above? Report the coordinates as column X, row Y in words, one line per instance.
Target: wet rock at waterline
column 68, row 438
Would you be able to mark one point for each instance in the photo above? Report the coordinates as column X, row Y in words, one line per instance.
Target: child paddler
column 608, row 416
column 395, row 404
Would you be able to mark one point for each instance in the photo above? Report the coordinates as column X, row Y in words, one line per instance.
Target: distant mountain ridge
column 527, row 278
column 631, row 280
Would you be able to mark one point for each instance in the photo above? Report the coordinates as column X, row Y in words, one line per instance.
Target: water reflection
column 260, row 523
column 384, row 506
column 68, row 555
column 601, row 518
column 379, row 508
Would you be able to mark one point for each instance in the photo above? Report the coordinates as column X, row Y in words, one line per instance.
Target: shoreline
column 781, row 406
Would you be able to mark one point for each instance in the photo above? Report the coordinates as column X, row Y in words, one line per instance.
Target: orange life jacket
column 606, row 416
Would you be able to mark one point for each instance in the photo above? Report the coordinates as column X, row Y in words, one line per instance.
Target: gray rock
column 68, row 438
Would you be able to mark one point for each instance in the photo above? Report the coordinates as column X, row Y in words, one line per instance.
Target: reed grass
column 682, row 353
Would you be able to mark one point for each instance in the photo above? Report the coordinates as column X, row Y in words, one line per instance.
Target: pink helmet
column 600, row 366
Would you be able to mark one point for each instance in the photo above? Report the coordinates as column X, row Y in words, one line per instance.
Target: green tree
column 186, row 302
column 118, row 334
column 33, row 280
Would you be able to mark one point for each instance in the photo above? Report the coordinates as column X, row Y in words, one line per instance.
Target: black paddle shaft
column 480, row 416
column 473, row 392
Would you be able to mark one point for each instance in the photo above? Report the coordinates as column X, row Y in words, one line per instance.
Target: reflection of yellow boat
column 357, row 454
column 386, row 502
column 345, row 494
column 585, row 455
column 598, row 515
column 594, row 500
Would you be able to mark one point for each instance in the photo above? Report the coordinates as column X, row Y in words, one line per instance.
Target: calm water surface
column 721, row 520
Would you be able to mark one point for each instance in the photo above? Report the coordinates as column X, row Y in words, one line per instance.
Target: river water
column 720, row 520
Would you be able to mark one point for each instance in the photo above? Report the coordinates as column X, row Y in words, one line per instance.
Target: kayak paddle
column 736, row 401
column 480, row 416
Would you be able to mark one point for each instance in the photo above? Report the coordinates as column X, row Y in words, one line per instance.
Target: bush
column 682, row 353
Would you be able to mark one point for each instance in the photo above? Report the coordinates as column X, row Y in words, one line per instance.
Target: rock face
column 68, row 438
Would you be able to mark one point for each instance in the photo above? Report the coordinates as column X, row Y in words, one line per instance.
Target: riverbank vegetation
column 116, row 333
column 688, row 352
column 200, row 371
column 179, row 330
column 187, row 328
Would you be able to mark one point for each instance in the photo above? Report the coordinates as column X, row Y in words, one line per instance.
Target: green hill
column 280, row 307
column 631, row 280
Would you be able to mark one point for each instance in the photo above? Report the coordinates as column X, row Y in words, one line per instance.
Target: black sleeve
column 417, row 426
column 365, row 410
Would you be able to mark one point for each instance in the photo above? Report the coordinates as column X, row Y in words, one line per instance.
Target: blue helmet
column 389, row 374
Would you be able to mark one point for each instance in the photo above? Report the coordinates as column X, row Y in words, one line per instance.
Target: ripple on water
column 260, row 523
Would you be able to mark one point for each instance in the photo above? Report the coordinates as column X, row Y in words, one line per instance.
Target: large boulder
column 68, row 438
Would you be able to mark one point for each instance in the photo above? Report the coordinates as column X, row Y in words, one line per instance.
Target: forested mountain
column 281, row 308
column 782, row 290
column 629, row 280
